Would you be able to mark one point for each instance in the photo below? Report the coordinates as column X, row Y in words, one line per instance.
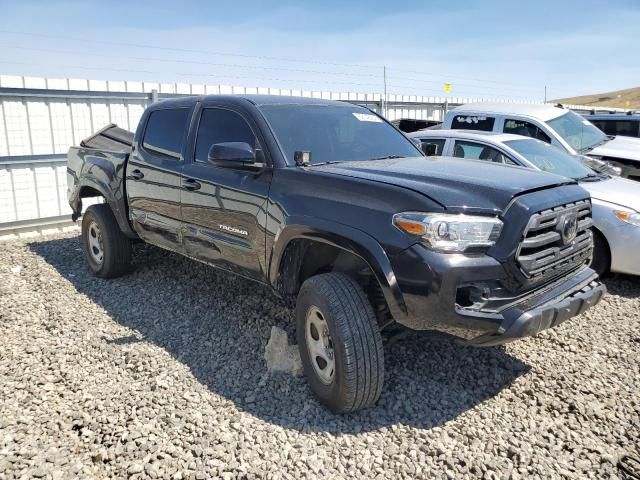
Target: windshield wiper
column 595, row 145
column 387, row 157
column 590, row 177
column 330, row 162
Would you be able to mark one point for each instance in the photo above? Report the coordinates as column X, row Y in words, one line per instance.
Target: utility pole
column 384, row 98
column 545, row 94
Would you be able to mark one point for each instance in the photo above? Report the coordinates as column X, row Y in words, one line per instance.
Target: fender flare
column 110, row 199
column 345, row 238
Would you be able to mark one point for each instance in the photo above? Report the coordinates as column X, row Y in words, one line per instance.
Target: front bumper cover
column 429, row 282
column 518, row 324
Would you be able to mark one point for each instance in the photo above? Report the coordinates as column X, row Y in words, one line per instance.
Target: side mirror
column 233, row 155
column 429, row 149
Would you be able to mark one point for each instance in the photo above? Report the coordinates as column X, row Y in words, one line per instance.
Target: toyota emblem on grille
column 569, row 228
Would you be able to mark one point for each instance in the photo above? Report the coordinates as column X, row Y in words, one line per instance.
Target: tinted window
column 165, row 130
column 473, row 122
column 627, row 128
column 603, row 125
column 438, row 145
column 526, row 129
column 220, row 126
column 335, row 133
column 477, row 151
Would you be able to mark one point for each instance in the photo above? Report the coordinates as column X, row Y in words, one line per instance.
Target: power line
column 85, row 67
column 422, row 91
column 254, row 67
column 470, row 85
column 419, row 89
column 449, row 75
column 259, row 57
column 194, row 62
column 186, row 50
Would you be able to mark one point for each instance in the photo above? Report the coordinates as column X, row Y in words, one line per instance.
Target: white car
column 558, row 126
column 616, row 201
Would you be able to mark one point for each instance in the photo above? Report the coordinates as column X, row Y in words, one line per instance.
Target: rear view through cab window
column 473, row 122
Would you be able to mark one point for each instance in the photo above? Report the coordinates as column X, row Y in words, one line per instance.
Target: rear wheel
column 340, row 342
column 106, row 249
column 601, row 259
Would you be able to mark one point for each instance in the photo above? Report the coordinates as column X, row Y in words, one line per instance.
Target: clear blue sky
column 484, row 48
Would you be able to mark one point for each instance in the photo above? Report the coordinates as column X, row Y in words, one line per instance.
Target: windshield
column 577, row 131
column 549, row 158
column 335, row 133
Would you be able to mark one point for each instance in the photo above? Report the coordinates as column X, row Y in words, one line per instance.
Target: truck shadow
column 218, row 325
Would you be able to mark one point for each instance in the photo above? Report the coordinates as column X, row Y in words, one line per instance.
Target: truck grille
column 556, row 240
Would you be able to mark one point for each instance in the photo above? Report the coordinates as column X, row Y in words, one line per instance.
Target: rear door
column 153, row 177
column 224, row 209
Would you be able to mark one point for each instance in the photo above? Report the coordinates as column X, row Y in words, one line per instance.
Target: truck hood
column 619, row 147
column 620, row 191
column 457, row 184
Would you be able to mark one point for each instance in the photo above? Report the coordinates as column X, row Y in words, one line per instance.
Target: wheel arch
column 93, row 187
column 597, row 233
column 338, row 244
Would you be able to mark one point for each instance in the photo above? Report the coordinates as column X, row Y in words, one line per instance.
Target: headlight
column 630, row 217
column 450, row 232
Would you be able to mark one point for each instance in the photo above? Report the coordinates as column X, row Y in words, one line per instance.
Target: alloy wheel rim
column 94, row 237
column 320, row 345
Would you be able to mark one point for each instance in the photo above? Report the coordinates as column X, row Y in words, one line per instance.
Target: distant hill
column 629, row 98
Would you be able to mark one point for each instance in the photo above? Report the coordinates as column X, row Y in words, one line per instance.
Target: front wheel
column 340, row 342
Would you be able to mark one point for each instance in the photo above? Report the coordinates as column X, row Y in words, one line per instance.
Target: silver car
column 560, row 127
column 616, row 201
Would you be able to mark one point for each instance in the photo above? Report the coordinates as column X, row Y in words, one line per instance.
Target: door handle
column 136, row 175
column 191, row 184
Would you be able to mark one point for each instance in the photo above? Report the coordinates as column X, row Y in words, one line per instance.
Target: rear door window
column 478, row 151
column 165, row 130
column 473, row 122
column 525, row 129
column 436, row 144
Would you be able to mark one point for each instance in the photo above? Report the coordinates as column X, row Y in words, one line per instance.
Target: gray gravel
column 162, row 374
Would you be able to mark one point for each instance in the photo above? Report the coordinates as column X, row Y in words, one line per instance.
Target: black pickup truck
column 329, row 202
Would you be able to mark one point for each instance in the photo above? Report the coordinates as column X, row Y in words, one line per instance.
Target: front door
column 153, row 178
column 224, row 209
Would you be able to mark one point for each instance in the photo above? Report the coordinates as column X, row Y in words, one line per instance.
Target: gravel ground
column 161, row 374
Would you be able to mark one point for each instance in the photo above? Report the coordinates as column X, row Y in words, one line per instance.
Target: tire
column 601, row 258
column 353, row 337
column 101, row 234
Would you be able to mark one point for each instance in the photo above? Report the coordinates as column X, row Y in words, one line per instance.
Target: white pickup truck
column 558, row 126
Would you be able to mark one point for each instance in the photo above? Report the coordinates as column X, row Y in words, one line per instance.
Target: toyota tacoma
column 329, row 203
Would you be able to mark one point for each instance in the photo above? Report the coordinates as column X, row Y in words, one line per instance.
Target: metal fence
column 41, row 118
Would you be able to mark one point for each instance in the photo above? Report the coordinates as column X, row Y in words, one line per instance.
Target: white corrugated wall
column 47, row 122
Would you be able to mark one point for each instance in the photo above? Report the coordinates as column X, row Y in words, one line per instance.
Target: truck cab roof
column 257, row 100
column 541, row 111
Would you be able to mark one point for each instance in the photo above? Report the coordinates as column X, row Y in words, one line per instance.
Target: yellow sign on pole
column 447, row 87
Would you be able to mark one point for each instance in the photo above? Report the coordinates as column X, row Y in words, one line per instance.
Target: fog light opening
column 472, row 297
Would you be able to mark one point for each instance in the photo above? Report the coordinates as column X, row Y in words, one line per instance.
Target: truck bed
column 111, row 138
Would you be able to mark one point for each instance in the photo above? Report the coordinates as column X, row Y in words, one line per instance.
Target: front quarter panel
column 353, row 214
column 623, row 238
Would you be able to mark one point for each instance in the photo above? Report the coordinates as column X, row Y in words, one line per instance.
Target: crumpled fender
column 346, row 238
